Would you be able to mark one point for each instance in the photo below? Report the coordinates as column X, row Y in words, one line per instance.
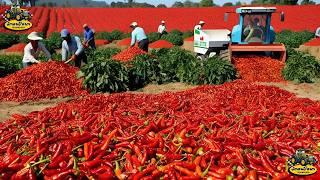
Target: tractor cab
column 254, row 25
column 254, row 32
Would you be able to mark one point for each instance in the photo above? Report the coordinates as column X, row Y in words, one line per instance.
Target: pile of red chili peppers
column 44, row 80
column 128, row 54
column 161, row 44
column 313, row 42
column 237, row 130
column 16, row 48
column 259, row 68
column 124, row 42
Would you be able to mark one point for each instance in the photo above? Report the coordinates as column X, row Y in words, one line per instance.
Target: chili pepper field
column 238, row 129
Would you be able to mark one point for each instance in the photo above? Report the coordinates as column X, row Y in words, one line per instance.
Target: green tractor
column 300, row 157
column 16, row 13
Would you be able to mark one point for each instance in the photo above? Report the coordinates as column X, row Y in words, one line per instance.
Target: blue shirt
column 88, row 35
column 137, row 35
column 74, row 47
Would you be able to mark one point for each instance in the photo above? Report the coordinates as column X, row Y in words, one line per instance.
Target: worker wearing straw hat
column 162, row 28
column 88, row 37
column 32, row 50
column 138, row 35
column 72, row 46
column 200, row 25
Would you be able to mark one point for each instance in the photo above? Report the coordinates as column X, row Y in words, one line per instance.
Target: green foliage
column 103, row 35
column 171, row 61
column 206, row 3
column 116, row 35
column 174, row 38
column 6, row 40
column 177, row 32
column 23, row 38
column 187, row 34
column 218, row 71
column 293, row 39
column 110, row 36
column 301, row 67
column 101, row 54
column 105, row 76
column 154, row 36
column 9, row 64
column 144, row 69
column 53, row 42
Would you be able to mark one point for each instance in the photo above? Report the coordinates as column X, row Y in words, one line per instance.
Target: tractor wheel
column 8, row 15
column 225, row 55
column 18, row 17
column 303, row 162
column 293, row 160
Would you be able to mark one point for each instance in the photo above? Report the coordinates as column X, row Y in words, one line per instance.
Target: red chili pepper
column 184, row 171
column 93, row 163
column 62, row 175
column 252, row 175
column 107, row 141
column 146, row 171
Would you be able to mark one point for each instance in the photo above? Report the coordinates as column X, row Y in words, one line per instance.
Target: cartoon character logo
column 17, row 19
column 301, row 164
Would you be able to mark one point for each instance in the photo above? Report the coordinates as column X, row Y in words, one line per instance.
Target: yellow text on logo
column 18, row 25
column 303, row 170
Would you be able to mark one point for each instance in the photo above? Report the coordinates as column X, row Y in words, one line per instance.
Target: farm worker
column 254, row 30
column 200, row 25
column 88, row 37
column 72, row 46
column 32, row 50
column 162, row 28
column 318, row 33
column 138, row 35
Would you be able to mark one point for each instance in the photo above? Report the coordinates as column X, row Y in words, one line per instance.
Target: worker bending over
column 88, row 37
column 72, row 47
column 33, row 49
column 162, row 28
column 138, row 35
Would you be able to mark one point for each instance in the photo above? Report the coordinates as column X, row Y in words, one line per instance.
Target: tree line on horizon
column 132, row 3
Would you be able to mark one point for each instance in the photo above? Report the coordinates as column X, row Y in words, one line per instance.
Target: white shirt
column 161, row 28
column 30, row 55
column 199, row 27
column 71, row 48
column 318, row 32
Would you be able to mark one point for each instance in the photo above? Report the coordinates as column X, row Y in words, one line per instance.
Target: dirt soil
column 9, row 108
column 311, row 91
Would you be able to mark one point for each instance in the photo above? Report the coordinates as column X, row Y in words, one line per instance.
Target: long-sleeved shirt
column 161, row 28
column 88, row 35
column 30, row 55
column 73, row 48
column 137, row 34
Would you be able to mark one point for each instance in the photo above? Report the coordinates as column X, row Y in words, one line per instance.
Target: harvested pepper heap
column 44, row 80
column 233, row 130
column 259, row 69
column 128, row 54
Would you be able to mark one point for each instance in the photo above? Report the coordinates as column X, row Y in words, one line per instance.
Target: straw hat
column 34, row 36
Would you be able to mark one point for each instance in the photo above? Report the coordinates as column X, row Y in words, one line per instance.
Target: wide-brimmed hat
column 133, row 24
column 201, row 22
column 85, row 25
column 34, row 36
column 163, row 22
